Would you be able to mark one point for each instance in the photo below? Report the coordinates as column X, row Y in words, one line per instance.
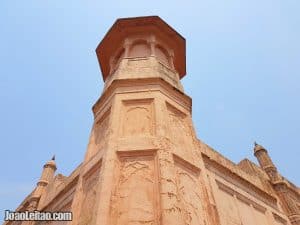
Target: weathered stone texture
column 144, row 164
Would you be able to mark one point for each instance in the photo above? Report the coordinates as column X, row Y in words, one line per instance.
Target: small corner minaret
column 280, row 185
column 48, row 171
column 265, row 162
column 46, row 177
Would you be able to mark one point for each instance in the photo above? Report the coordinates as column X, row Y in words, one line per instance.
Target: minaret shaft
column 142, row 165
column 279, row 184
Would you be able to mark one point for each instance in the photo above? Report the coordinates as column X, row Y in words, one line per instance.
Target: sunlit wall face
column 242, row 73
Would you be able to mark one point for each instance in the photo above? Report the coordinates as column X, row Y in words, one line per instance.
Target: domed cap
column 51, row 163
column 258, row 147
column 148, row 25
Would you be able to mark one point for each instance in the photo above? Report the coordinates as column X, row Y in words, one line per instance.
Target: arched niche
column 117, row 59
column 139, row 49
column 162, row 55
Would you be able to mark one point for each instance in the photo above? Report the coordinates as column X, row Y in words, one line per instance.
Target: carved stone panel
column 279, row 220
column 136, row 193
column 99, row 135
column 137, row 119
column 180, row 130
column 90, row 181
column 101, row 130
column 238, row 208
column 188, row 192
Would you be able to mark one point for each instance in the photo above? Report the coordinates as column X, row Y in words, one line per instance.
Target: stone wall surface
column 144, row 164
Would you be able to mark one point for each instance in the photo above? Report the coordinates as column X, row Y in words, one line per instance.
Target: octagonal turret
column 141, row 37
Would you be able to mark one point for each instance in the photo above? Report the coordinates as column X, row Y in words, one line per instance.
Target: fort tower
column 144, row 164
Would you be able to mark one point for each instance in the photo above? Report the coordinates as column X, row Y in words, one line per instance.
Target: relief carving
column 135, row 197
column 237, row 208
column 189, row 194
column 181, row 131
column 99, row 135
column 291, row 204
column 279, row 220
column 138, row 118
column 101, row 130
column 89, row 192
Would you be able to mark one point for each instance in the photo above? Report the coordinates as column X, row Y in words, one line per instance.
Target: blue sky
column 242, row 73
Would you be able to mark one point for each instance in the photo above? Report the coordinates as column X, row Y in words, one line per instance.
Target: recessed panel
column 89, row 189
column 180, row 130
column 188, row 192
column 136, row 193
column 137, row 118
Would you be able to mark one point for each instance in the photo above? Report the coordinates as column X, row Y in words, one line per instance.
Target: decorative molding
column 145, row 85
column 137, row 189
column 189, row 166
column 101, row 129
column 90, row 181
column 65, row 196
column 234, row 179
column 279, row 218
column 181, row 131
column 188, row 191
column 96, row 166
column 137, row 118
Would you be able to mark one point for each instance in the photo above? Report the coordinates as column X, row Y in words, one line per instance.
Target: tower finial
column 255, row 144
column 53, row 157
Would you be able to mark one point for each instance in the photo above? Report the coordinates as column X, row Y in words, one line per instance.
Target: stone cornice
column 242, row 180
column 60, row 192
column 143, row 85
